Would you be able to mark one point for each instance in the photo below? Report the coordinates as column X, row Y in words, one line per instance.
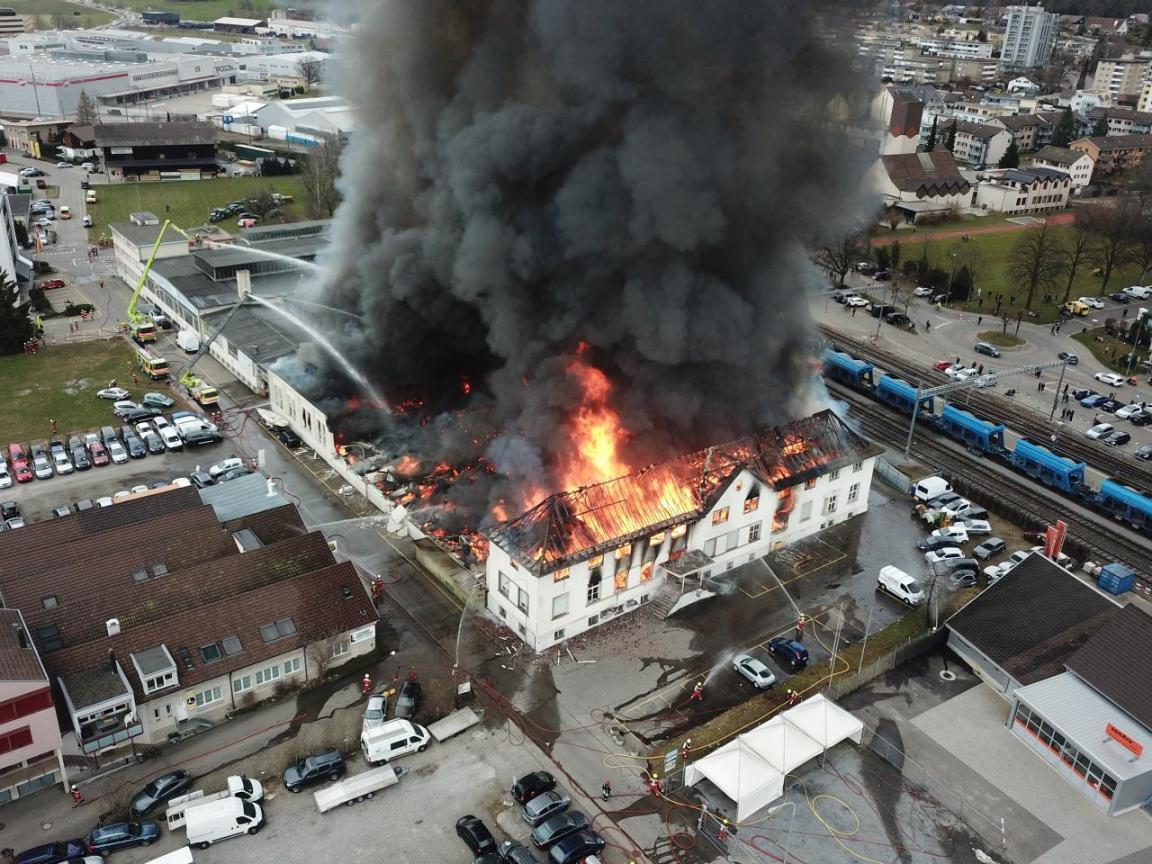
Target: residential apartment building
column 1029, row 37
column 1114, row 152
column 1144, row 103
column 1124, row 76
column 1023, row 190
column 1029, row 131
column 978, row 145
column 1075, row 163
column 178, row 606
column 579, row 559
column 31, row 757
column 1121, row 121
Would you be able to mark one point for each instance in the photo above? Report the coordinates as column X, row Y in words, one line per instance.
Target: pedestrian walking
column 697, row 692
column 793, row 697
column 927, row 326
column 366, row 685
column 1071, row 415
column 979, row 320
column 606, row 790
column 52, row 423
column 77, row 796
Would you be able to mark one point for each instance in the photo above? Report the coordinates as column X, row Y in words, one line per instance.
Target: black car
column 896, row 319
column 790, row 651
column 139, row 415
column 932, row 544
column 132, row 443
column 53, row 853
column 232, row 474
column 154, row 443
column 328, row 765
column 80, row 460
column 557, row 827
column 158, row 792
column 202, row 479
column 1120, row 297
column 987, row 349
column 1111, row 405
column 1141, row 419
column 882, row 275
column 512, row 852
column 1116, row 439
column 10, row 510
column 475, row 835
column 531, row 785
column 61, row 512
column 200, row 437
column 576, row 847
column 287, row 437
column 408, row 702
column 879, row 310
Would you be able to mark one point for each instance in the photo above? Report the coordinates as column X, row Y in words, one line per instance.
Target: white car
column 977, row 526
column 161, row 423
column 140, row 488
column 1130, row 411
column 996, row 572
column 181, row 482
column 960, row 373
column 374, row 714
column 61, row 463
column 171, row 437
column 106, row 501
column 1101, row 431
column 922, row 291
column 856, row 301
column 944, row 554
column 5, row 477
column 759, row 675
column 958, row 533
column 65, row 165
column 114, row 393
column 227, row 465
column 1094, row 302
column 1110, row 378
column 123, row 493
column 116, row 451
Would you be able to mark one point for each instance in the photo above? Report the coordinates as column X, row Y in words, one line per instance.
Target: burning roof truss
column 571, row 526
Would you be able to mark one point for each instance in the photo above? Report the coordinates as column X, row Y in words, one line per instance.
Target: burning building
column 579, row 558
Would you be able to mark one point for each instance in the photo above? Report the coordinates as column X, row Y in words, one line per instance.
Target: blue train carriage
column 964, row 426
column 1131, row 505
column 902, row 395
column 1053, row 470
column 847, row 370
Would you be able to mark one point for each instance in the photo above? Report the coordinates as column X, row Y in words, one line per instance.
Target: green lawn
column 999, row 337
column 1111, row 350
column 77, row 16
column 187, row 202
column 992, row 271
column 60, row 382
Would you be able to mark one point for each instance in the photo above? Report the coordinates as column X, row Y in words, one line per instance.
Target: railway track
column 1021, row 420
column 1097, row 535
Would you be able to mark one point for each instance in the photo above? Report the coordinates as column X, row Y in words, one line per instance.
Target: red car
column 99, row 454
column 941, row 365
column 49, row 284
column 19, row 460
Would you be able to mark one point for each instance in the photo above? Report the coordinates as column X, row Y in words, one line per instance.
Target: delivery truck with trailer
column 359, row 788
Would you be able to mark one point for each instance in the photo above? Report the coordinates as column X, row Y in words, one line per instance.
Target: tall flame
column 595, row 432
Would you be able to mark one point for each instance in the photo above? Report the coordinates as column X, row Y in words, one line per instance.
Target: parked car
column 922, row 291
column 287, row 437
column 1111, row 405
column 512, row 852
column 158, row 792
column 1093, row 399
column 475, row 835
column 754, row 671
column 990, row 547
column 116, row 451
column 964, row 579
column 544, row 806
column 576, row 847
column 976, row 526
column 1120, row 297
column 1144, row 453
column 41, row 467
column 790, row 651
column 157, row 400
column 408, row 700
column 202, row 480
column 122, row 835
column 938, row 555
column 225, row 465
column 530, row 785
column 79, row 455
column 897, row 319
column 1117, row 439
column 987, row 349
column 855, row 301
column 49, row 284
column 311, row 770
column 557, row 827
column 1112, row 379
column 1069, row 357
column 1129, row 411
column 1101, row 431
column 113, row 393
column 96, row 449
column 83, row 505
column 139, row 415
column 53, row 853
column 931, row 544
column 1094, row 302
column 132, row 443
column 5, row 476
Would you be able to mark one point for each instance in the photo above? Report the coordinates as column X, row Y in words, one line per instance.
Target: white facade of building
column 1080, row 170
column 546, row 609
column 1121, row 77
column 1029, row 37
column 1023, row 191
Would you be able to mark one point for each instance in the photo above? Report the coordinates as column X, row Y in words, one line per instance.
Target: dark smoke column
column 639, row 174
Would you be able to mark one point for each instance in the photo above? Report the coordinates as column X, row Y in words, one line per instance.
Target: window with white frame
column 267, row 676
column 853, row 492
column 522, row 600
column 833, row 475
column 242, row 683
column 340, row 648
column 207, row 697
column 754, row 533
column 159, row 682
column 559, row 606
column 594, row 580
column 291, row 667
column 503, row 584
column 859, row 466
column 830, row 504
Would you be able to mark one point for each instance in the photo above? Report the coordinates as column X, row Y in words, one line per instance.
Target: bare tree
column 839, row 255
column 320, row 653
column 1140, row 232
column 1034, row 262
column 1076, row 250
column 321, row 167
column 311, row 71
column 86, row 114
column 1110, row 247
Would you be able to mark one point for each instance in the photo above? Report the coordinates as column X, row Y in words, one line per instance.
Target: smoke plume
column 639, row 175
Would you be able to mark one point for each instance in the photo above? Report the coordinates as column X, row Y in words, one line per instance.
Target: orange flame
column 408, row 465
column 595, row 431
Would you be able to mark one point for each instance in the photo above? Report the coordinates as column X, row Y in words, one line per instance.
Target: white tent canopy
column 750, row 770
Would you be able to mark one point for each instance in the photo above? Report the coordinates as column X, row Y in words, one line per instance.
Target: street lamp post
column 951, row 280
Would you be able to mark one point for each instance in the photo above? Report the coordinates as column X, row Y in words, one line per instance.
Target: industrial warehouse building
column 1061, row 651
column 579, row 558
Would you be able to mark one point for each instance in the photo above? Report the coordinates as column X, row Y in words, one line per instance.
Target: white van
column 930, row 487
column 189, row 340
column 222, row 819
column 183, row 855
column 894, row 581
column 1139, row 292
column 392, row 739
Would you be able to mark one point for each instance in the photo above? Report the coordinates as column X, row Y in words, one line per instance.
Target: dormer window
column 156, row 668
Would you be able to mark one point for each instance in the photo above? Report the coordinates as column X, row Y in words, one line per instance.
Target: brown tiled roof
column 18, row 660
column 271, row 526
column 1021, row 121
column 1059, row 155
column 933, row 173
column 1118, row 142
column 978, row 130
column 1032, row 620
column 314, row 601
column 578, row 524
column 1113, row 662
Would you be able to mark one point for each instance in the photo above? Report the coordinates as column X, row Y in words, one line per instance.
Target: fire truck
column 153, row 365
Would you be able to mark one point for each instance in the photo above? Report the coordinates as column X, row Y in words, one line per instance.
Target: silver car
column 759, row 675
column 543, row 806
column 374, row 713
